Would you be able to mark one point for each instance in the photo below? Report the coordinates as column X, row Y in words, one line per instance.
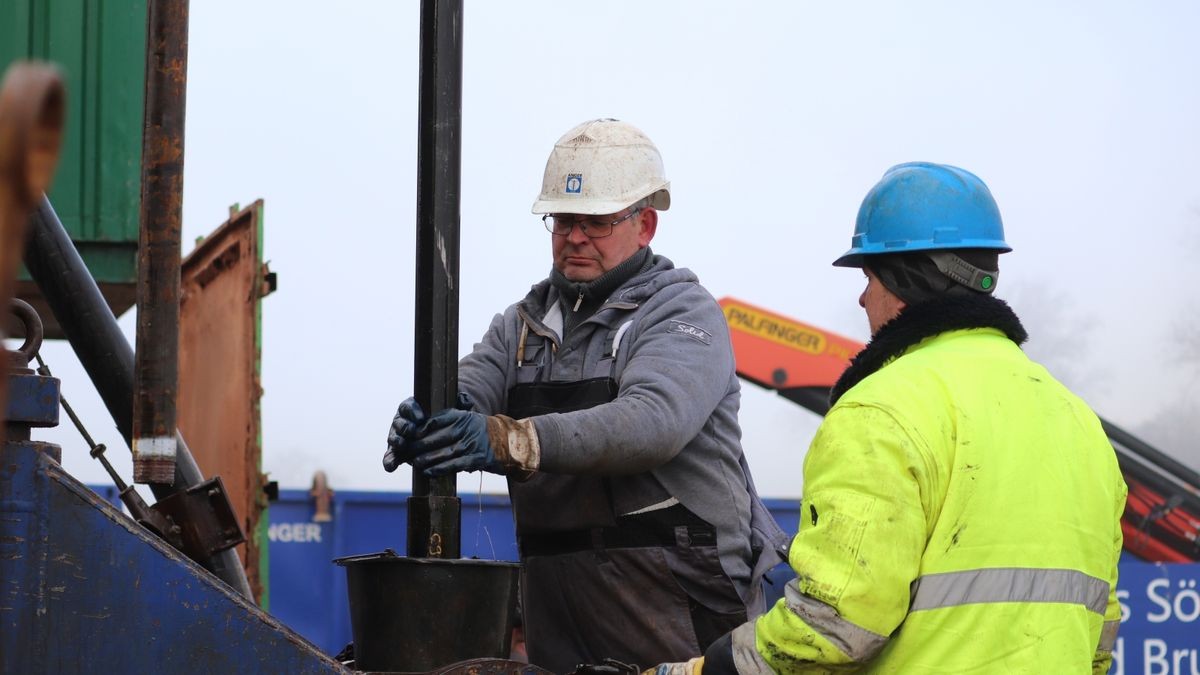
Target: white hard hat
column 603, row 166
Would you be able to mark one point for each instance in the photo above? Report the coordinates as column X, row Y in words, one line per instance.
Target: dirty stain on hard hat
column 603, row 166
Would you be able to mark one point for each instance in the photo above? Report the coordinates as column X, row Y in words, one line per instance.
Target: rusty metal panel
column 222, row 283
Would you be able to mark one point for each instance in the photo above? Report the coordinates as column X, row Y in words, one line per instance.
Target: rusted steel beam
column 32, row 109
column 156, row 367
column 434, row 510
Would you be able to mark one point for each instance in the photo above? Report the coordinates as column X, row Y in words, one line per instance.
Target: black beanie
column 914, row 278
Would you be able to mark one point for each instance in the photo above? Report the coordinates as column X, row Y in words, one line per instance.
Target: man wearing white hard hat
column 608, row 397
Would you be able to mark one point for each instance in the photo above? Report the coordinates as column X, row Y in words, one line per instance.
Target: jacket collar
column 660, row 273
column 592, row 293
column 918, row 322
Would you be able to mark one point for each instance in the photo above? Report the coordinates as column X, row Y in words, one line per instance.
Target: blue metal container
column 1160, row 602
column 308, row 592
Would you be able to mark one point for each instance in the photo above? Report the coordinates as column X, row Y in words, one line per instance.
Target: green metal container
column 100, row 47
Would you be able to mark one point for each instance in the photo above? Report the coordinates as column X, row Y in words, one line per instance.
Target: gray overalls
column 613, row 565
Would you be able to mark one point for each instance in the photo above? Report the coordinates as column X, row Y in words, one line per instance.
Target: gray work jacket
column 664, row 340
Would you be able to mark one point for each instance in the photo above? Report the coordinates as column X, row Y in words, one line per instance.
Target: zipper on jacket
column 616, row 304
column 538, row 327
column 578, row 301
column 521, row 343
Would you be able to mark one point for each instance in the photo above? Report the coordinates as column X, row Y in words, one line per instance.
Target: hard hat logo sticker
column 574, row 183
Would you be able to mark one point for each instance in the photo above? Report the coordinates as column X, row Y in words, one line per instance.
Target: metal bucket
column 416, row 614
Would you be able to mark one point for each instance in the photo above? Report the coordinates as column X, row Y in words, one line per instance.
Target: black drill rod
column 434, row 510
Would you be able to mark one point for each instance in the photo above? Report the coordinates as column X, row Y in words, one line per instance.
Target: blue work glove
column 409, row 418
column 458, row 440
column 406, row 427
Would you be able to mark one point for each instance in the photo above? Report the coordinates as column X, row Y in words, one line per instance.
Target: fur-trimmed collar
column 927, row 319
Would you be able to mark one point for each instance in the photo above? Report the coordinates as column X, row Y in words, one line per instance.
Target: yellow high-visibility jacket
column 961, row 514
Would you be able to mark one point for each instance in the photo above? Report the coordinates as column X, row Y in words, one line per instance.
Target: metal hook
column 28, row 316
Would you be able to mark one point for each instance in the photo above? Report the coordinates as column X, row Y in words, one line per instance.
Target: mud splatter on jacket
column 961, row 513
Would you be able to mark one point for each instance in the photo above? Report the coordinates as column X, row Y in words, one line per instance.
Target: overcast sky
column 774, row 120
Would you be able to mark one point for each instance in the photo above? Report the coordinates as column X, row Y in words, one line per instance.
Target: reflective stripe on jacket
column 961, row 513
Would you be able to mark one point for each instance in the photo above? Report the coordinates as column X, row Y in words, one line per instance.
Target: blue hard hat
column 920, row 206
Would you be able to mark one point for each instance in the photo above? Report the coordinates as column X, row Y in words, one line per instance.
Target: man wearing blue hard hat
column 961, row 508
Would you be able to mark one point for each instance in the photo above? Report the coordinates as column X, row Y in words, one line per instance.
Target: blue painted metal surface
column 308, row 592
column 83, row 587
column 32, row 399
column 1160, row 618
column 1161, row 602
